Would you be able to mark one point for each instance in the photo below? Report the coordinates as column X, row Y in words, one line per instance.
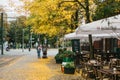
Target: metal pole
column 15, row 36
column 29, row 40
column 91, row 47
column 104, row 44
column 2, row 51
column 23, row 41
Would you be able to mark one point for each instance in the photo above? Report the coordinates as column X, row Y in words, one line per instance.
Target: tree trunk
column 87, row 11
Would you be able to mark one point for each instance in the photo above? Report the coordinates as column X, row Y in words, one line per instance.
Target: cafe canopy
column 109, row 25
column 84, row 35
column 104, row 28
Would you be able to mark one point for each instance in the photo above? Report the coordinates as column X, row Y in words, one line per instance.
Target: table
column 111, row 72
column 94, row 67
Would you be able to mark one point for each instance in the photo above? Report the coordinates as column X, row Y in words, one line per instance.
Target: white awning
column 85, row 36
column 109, row 25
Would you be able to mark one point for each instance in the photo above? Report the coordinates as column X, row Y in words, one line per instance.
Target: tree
column 84, row 6
column 106, row 9
column 16, row 30
column 47, row 20
column 51, row 20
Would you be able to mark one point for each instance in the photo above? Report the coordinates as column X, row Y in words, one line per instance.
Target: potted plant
column 68, row 56
column 59, row 56
column 69, row 68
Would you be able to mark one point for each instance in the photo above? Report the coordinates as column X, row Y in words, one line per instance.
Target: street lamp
column 2, row 29
column 29, row 40
column 23, row 41
column 2, row 33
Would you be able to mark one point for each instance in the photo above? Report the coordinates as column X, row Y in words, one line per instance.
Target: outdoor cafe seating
column 105, row 66
column 100, row 71
column 106, row 51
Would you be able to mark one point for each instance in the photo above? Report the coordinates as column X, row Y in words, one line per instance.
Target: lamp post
column 23, row 41
column 29, row 40
column 2, row 34
column 2, row 31
column 15, row 35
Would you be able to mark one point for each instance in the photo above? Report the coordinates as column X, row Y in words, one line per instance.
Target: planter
column 67, row 59
column 58, row 61
column 69, row 70
column 62, row 68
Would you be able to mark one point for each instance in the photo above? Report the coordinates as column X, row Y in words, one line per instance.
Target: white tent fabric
column 85, row 36
column 105, row 28
column 103, row 25
column 74, row 36
column 109, row 25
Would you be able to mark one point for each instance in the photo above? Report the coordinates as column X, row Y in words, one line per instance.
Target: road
column 18, row 65
column 17, row 53
column 15, row 64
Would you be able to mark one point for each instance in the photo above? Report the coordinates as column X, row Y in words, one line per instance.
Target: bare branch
column 80, row 4
column 59, row 5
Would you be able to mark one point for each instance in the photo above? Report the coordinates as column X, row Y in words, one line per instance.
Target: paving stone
column 28, row 67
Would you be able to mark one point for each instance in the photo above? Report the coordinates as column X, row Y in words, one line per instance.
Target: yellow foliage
column 47, row 16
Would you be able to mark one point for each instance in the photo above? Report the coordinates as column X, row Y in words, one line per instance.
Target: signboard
column 75, row 45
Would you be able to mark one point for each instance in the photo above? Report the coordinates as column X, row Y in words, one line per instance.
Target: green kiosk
column 76, row 45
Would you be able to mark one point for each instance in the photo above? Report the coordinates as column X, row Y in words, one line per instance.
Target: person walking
column 39, row 51
column 44, row 50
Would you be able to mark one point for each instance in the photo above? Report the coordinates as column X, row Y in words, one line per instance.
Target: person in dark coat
column 44, row 50
column 39, row 51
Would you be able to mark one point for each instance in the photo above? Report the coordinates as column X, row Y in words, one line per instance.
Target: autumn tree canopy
column 53, row 17
column 56, row 16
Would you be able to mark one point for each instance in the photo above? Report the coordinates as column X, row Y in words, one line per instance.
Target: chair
column 90, row 75
column 106, row 67
column 106, row 79
column 118, row 62
column 99, row 58
column 113, row 63
column 104, row 76
column 90, row 72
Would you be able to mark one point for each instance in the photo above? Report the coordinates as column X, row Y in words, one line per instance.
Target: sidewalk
column 8, row 57
column 5, row 60
column 28, row 67
column 47, row 69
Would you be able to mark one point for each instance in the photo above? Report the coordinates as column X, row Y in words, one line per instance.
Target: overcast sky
column 10, row 10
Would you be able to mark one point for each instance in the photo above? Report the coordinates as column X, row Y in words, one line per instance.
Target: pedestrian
column 44, row 50
column 39, row 51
